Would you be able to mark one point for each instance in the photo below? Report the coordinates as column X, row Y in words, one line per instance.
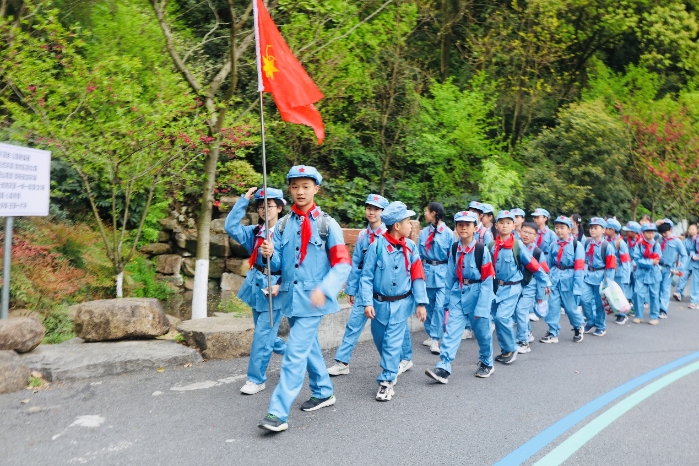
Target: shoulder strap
column 454, row 246
column 490, row 245
column 537, row 254
column 515, row 253
column 324, row 226
column 604, row 250
column 480, row 248
column 256, row 230
column 575, row 247
column 281, row 224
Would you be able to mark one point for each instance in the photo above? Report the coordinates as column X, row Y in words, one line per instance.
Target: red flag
column 281, row 74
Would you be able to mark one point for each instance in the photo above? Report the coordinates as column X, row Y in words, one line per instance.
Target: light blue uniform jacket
column 435, row 275
column 326, row 266
column 646, row 272
column 570, row 279
column 476, row 297
column 384, row 273
column 364, row 239
column 255, row 281
column 608, row 263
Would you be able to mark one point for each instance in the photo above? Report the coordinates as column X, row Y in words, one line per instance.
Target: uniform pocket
column 309, row 285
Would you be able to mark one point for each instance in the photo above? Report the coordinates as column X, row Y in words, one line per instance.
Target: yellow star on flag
column 268, row 66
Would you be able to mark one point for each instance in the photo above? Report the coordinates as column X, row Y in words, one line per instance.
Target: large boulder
column 217, row 266
column 156, row 249
column 238, row 266
column 169, row 264
column 170, row 224
column 14, row 375
column 116, row 319
column 21, row 334
column 231, row 282
column 219, row 337
column 237, row 249
column 217, row 225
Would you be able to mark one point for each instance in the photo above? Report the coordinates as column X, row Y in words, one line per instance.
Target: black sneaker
column 549, row 338
column 578, row 337
column 484, row 371
column 273, row 423
column 316, row 403
column 439, row 374
column 621, row 319
column 663, row 315
column 507, row 358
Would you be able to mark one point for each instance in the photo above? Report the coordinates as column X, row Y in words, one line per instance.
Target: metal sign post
column 25, row 183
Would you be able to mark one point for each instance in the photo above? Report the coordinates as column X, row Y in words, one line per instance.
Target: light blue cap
column 519, row 212
column 614, row 224
column 466, row 216
column 649, row 227
column 538, row 212
column 564, row 220
column 304, row 171
column 488, row 209
column 377, row 201
column 395, row 212
column 272, row 193
column 598, row 221
column 632, row 226
column 476, row 205
column 506, row 214
column 669, row 222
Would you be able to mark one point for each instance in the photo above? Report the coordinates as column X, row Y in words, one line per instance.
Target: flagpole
column 264, row 187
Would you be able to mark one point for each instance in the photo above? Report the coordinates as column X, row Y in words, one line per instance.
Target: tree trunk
column 201, row 271
column 445, row 40
column 120, row 285
column 634, row 207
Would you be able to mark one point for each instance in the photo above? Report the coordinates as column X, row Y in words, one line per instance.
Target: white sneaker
column 250, row 388
column 385, row 392
column 427, row 342
column 523, row 348
column 531, row 337
column 404, row 366
column 339, row 369
column 434, row 347
column 533, row 317
column 563, row 311
column 468, row 333
column 677, row 296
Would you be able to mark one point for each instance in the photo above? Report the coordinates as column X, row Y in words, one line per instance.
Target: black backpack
column 478, row 251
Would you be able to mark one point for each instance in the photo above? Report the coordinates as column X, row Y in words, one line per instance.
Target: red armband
column 533, row 266
column 624, row 258
column 417, row 271
column 339, row 254
column 579, row 264
column 610, row 262
column 487, row 270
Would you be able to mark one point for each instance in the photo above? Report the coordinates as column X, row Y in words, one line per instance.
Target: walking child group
column 492, row 274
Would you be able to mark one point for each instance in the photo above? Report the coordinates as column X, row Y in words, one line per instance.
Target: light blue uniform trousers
column 389, row 341
column 592, row 306
column 503, row 316
column 434, row 324
column 264, row 342
column 452, row 338
column 569, row 302
column 302, row 354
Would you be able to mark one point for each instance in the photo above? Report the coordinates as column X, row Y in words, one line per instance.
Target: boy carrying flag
column 308, row 247
column 393, row 282
column 470, row 287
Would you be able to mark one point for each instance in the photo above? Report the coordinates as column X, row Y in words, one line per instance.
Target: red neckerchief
column 253, row 256
column 540, row 238
column 401, row 244
column 507, row 244
column 373, row 234
column 561, row 247
column 430, row 238
column 664, row 243
column 591, row 251
column 631, row 241
column 460, row 262
column 306, row 229
column 647, row 254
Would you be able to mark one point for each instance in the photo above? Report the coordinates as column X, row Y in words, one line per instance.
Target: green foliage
column 235, row 306
column 576, row 166
column 141, row 282
column 235, row 177
column 59, row 327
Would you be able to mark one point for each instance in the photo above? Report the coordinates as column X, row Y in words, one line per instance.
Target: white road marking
column 90, row 420
column 208, row 384
column 156, row 393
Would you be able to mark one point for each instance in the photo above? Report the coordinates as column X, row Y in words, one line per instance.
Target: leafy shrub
column 59, row 327
column 141, row 282
column 234, row 305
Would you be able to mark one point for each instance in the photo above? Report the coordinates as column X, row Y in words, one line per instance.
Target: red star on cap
column 376, row 198
column 464, row 213
column 262, row 193
column 301, row 170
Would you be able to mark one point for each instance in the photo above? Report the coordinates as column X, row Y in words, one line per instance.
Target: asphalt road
column 139, row 419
